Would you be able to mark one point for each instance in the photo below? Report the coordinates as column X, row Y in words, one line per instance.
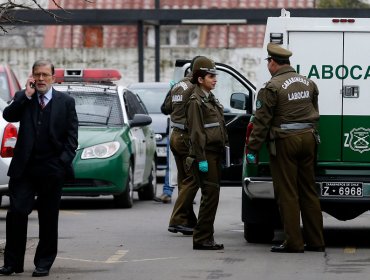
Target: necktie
column 42, row 103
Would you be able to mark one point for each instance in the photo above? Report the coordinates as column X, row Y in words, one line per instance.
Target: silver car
column 153, row 95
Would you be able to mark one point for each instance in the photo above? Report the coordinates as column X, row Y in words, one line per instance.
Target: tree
column 329, row 4
column 6, row 7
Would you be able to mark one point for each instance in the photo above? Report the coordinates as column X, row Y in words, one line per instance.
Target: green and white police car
column 116, row 152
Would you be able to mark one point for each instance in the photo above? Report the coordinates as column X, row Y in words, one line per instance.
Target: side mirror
column 239, row 100
column 140, row 120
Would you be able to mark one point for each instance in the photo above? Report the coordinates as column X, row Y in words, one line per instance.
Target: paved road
column 98, row 241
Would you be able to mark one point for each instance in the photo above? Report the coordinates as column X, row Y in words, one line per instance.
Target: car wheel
column 258, row 233
column 1, row 200
column 126, row 199
column 149, row 191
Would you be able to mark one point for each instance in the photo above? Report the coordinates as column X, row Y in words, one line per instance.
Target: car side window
column 133, row 105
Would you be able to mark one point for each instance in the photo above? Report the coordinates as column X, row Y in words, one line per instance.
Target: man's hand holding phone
column 30, row 87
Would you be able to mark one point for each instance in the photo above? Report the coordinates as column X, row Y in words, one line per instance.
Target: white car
column 8, row 133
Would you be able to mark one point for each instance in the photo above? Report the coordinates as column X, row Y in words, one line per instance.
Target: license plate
column 348, row 189
column 162, row 151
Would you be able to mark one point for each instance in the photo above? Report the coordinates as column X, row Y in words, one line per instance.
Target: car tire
column 149, row 191
column 1, row 200
column 126, row 199
column 258, row 233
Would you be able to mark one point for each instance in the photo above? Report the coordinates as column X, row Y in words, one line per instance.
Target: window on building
column 182, row 37
column 172, row 36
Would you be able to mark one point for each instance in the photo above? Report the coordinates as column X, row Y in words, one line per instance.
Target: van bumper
column 260, row 187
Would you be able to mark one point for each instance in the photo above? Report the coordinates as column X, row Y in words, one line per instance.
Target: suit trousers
column 22, row 193
column 293, row 173
column 209, row 183
column 183, row 212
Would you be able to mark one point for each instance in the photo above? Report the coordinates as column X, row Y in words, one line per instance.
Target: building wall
column 246, row 60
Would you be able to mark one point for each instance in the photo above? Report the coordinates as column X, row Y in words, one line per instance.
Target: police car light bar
column 87, row 75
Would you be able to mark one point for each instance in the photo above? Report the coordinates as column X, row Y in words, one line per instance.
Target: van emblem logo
column 360, row 139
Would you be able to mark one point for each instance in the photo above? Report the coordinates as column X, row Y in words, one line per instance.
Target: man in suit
column 45, row 148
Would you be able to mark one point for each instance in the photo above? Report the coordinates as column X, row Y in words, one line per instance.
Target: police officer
column 183, row 218
column 286, row 116
column 208, row 138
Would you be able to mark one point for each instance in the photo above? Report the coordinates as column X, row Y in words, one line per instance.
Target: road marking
column 96, row 261
column 155, row 259
column 349, row 250
column 80, row 260
column 71, row 212
column 117, row 256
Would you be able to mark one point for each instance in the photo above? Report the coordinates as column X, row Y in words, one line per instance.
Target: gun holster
column 189, row 163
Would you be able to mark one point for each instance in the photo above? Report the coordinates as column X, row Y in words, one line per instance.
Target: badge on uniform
column 258, row 104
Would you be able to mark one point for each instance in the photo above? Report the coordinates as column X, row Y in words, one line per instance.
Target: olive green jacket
column 176, row 100
column 206, row 124
column 288, row 98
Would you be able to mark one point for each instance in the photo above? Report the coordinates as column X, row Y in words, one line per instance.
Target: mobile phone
column 32, row 85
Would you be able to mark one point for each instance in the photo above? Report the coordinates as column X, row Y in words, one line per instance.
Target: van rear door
column 315, row 58
column 356, row 98
column 336, row 62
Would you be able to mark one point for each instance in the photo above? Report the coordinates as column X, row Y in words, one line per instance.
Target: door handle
column 351, row 91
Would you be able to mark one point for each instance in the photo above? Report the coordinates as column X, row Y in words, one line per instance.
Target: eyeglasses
column 39, row 75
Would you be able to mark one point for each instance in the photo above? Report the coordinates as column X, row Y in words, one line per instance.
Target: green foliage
column 330, row 4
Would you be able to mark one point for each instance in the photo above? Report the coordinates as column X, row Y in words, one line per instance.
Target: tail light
column 249, row 131
column 9, row 140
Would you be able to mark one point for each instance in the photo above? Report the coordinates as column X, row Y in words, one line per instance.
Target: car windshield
column 152, row 97
column 96, row 107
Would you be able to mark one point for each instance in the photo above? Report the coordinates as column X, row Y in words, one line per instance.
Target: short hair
column 43, row 62
column 281, row 61
column 197, row 74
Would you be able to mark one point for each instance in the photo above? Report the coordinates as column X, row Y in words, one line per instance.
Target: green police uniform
column 208, row 138
column 183, row 213
column 286, row 116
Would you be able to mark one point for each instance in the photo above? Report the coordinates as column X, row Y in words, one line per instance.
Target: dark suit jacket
column 63, row 129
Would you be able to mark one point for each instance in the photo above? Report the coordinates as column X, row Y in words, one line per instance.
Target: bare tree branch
column 11, row 5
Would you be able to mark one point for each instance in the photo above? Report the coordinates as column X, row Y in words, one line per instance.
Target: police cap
column 205, row 64
column 277, row 52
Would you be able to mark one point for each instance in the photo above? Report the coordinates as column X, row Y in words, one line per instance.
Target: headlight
column 158, row 137
column 104, row 150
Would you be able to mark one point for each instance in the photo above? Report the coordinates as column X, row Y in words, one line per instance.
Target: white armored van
column 333, row 52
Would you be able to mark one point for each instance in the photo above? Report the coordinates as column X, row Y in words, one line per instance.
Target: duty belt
column 178, row 125
column 294, row 126
column 208, row 125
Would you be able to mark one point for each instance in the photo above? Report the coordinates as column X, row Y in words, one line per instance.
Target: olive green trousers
column 293, row 172
column 183, row 212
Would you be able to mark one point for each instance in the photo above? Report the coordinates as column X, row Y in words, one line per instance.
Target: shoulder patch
column 259, row 104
